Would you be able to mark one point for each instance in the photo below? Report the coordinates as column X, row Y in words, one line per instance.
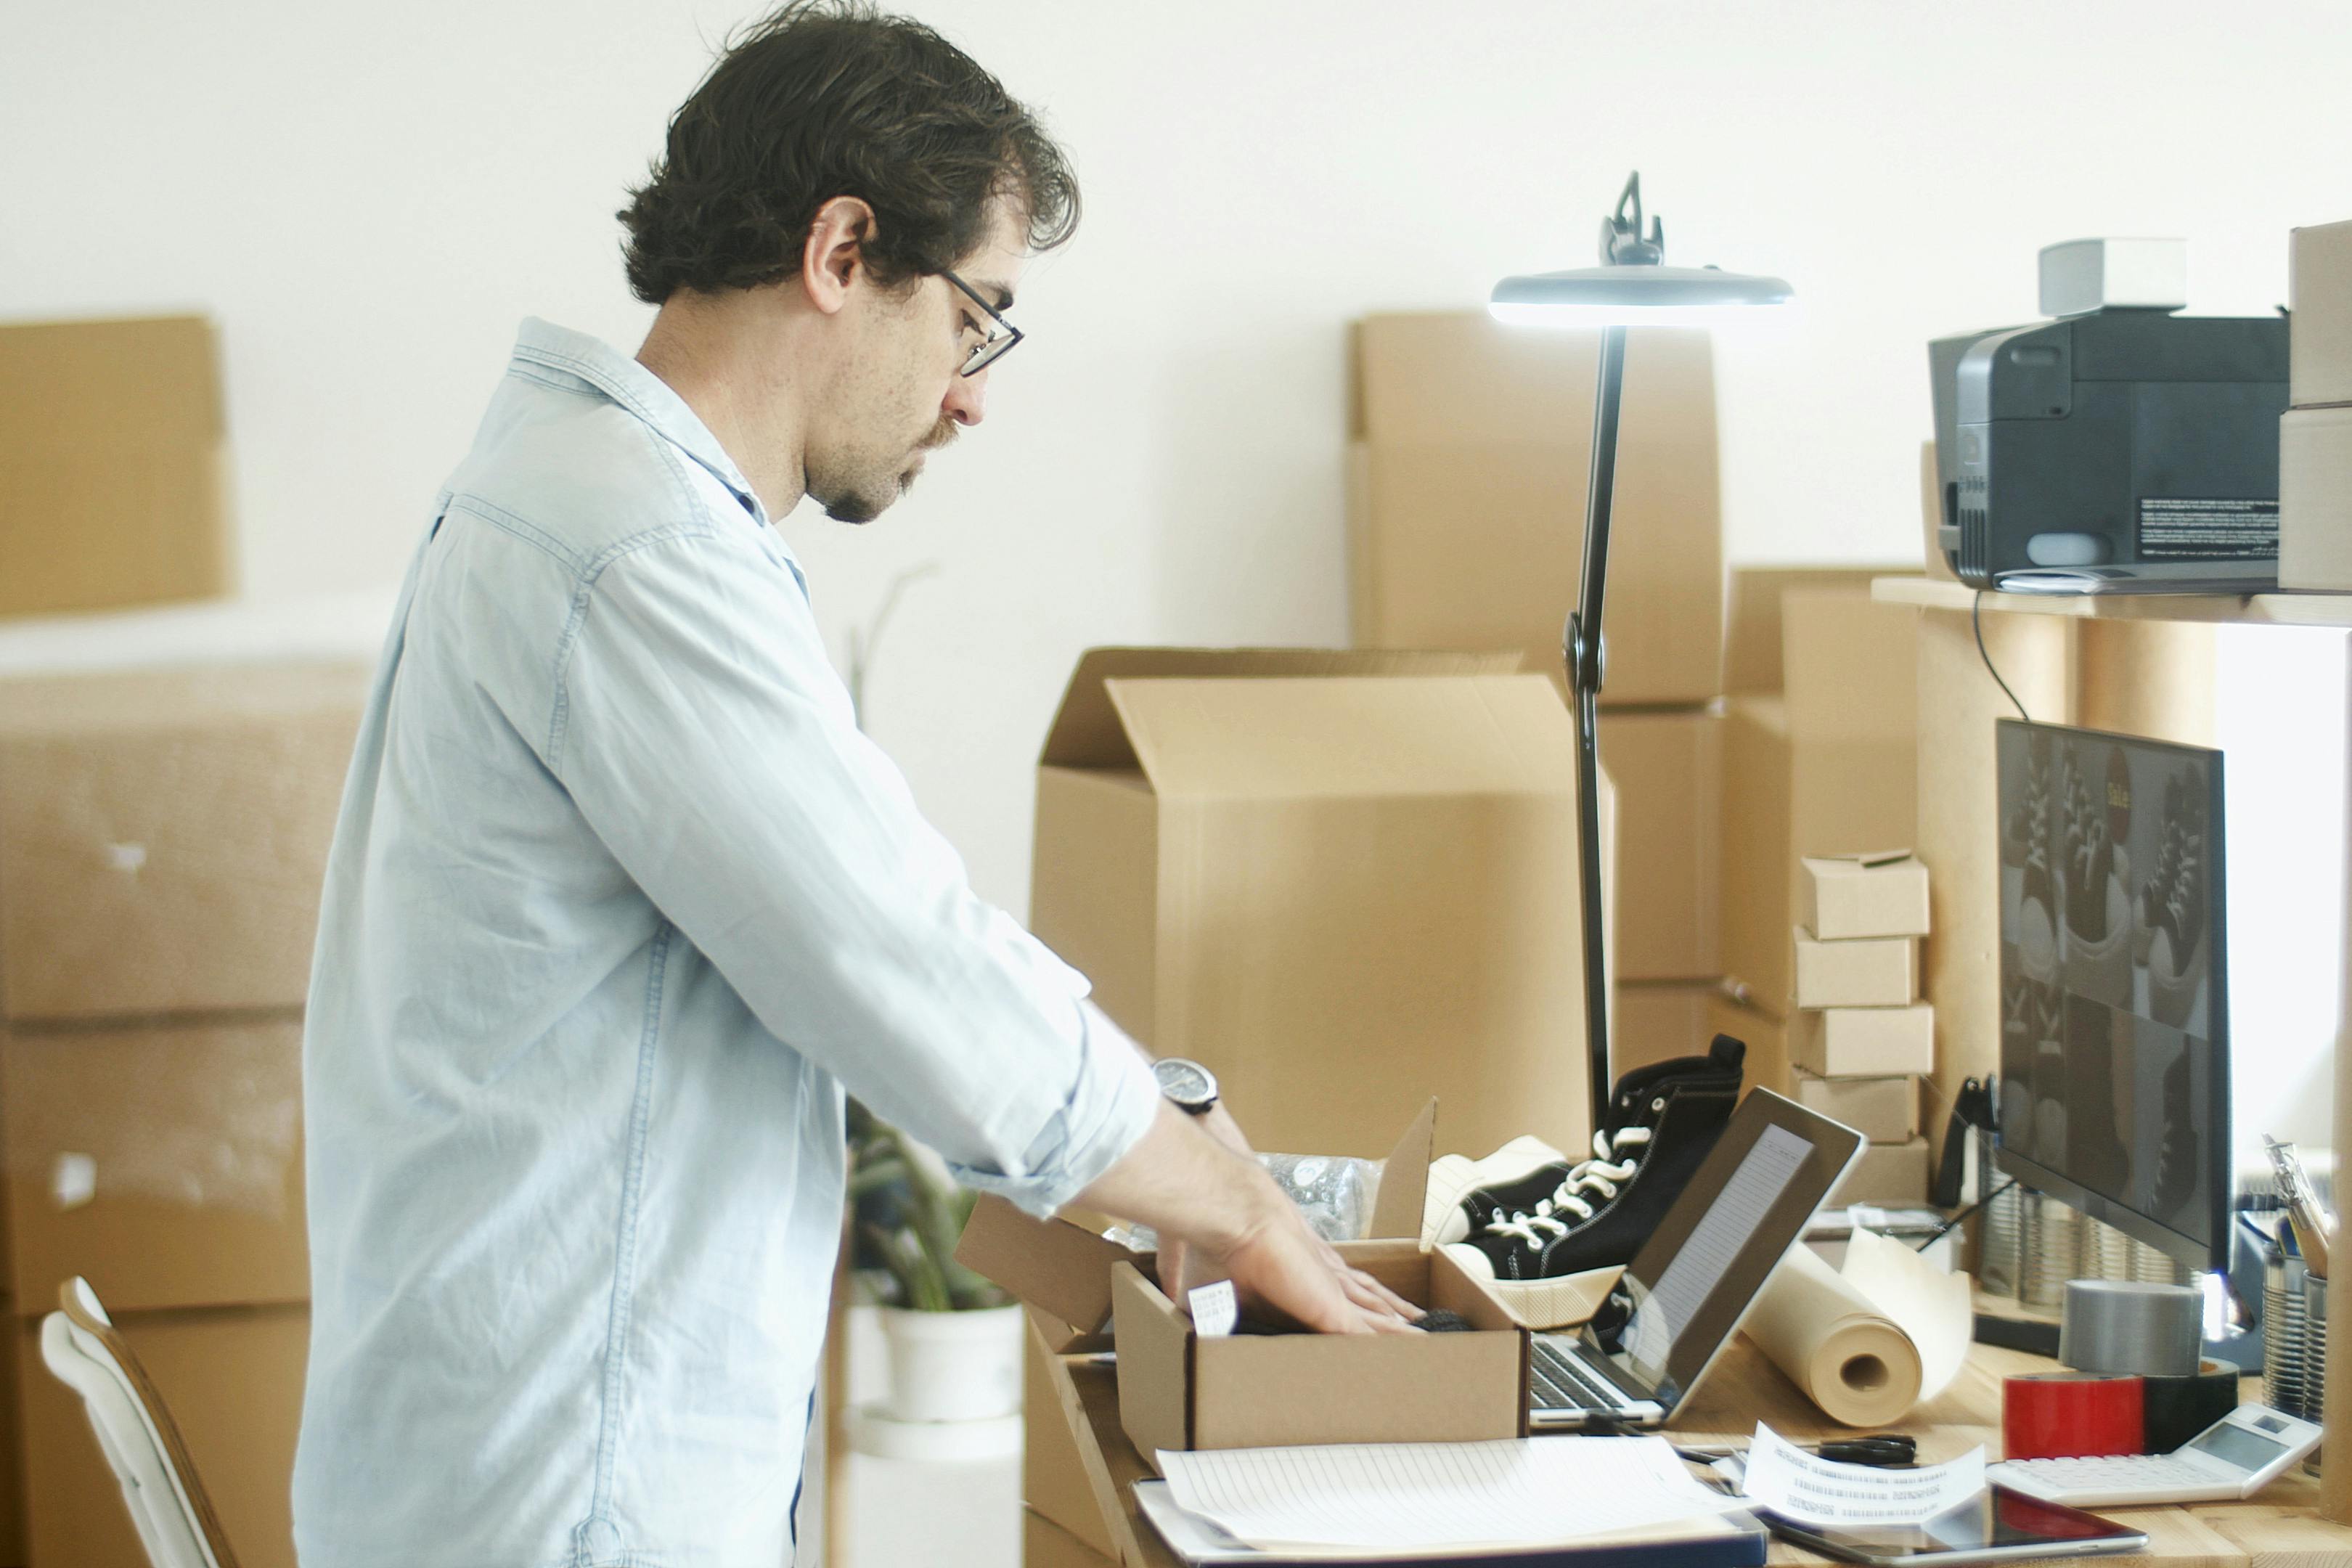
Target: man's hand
column 1221, row 1217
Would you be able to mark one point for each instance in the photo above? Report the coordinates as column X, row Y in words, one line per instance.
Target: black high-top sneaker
column 1552, row 1242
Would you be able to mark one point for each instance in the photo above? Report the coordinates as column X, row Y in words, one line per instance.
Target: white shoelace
column 1599, row 1174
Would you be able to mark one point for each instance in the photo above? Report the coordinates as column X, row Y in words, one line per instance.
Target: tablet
column 1999, row 1526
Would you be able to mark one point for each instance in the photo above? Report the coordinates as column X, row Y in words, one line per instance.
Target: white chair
column 175, row 1520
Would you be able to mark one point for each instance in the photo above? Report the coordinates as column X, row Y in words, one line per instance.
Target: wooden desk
column 2281, row 1531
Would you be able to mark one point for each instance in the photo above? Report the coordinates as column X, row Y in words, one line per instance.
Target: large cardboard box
column 1657, row 1022
column 1886, row 1174
column 114, row 465
column 1755, row 610
column 2319, row 322
column 1046, row 1544
column 163, row 1165
column 1467, row 482
column 1830, row 767
column 163, row 835
column 1668, row 770
column 2315, row 498
column 1342, row 882
column 231, row 1380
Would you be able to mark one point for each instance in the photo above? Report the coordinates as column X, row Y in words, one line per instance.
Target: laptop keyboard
column 1559, row 1384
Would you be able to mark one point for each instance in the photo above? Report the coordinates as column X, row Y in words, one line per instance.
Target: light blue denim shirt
column 620, row 900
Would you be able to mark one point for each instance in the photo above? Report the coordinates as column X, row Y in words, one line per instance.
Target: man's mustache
column 941, row 434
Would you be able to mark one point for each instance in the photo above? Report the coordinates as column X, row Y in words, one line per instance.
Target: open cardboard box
column 1179, row 1390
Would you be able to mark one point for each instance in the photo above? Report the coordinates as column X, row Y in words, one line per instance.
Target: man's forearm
column 1182, row 1181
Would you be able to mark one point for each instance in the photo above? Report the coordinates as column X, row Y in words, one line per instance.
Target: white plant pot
column 952, row 1366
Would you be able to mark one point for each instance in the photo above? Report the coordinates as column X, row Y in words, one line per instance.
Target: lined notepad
column 1522, row 1492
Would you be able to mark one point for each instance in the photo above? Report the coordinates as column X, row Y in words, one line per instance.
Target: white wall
column 368, row 197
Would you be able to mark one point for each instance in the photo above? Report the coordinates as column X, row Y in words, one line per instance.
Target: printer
column 2123, row 449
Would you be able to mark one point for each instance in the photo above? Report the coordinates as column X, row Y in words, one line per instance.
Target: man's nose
column 967, row 399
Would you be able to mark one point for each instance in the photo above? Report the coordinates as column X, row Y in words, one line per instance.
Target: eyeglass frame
column 993, row 348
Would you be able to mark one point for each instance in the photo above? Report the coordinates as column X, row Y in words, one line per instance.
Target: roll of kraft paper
column 1849, row 1357
column 2137, row 1329
column 2070, row 1416
column 2177, row 1408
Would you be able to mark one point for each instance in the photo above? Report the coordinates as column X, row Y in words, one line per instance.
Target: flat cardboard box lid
column 1063, row 1269
column 1087, row 731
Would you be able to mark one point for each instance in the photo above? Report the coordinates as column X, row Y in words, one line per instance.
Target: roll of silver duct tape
column 2130, row 1329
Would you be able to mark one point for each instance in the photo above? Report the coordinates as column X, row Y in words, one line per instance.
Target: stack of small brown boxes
column 1862, row 1038
column 163, row 835
column 1470, row 445
column 2315, row 432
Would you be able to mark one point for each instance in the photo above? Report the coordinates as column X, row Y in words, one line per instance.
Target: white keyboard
column 2121, row 1481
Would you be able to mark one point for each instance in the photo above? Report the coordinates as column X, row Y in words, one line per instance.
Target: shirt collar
column 639, row 391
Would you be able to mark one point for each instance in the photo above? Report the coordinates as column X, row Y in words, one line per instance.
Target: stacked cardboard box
column 163, row 835
column 1467, row 482
column 114, row 465
column 1820, row 757
column 2315, row 432
column 1861, row 1038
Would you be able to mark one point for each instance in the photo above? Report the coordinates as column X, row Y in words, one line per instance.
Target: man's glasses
column 1000, row 338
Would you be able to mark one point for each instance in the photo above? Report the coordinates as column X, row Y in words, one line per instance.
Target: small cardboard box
column 1876, row 893
column 163, row 1165
column 1864, row 1042
column 232, row 1379
column 164, row 835
column 114, row 465
column 1886, row 1174
column 1668, row 770
column 1179, row 1390
column 2319, row 321
column 2315, row 498
column 1860, row 972
column 1467, row 472
column 1341, row 880
column 1882, row 1109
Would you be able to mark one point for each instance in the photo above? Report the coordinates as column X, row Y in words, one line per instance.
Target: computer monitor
column 2115, row 1066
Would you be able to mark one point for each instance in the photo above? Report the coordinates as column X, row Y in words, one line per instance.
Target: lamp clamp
column 1621, row 244
column 1584, row 676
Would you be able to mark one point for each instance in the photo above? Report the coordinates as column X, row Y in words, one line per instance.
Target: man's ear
column 835, row 254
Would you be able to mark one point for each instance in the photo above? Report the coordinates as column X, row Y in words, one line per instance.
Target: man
column 620, row 899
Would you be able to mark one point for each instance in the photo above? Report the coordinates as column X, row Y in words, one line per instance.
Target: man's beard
column 860, row 503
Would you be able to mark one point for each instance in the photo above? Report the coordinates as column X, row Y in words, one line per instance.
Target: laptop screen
column 1708, row 1260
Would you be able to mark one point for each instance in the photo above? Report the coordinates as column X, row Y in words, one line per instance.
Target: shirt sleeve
column 706, row 739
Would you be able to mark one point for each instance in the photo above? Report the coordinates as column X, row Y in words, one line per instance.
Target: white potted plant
column 954, row 1340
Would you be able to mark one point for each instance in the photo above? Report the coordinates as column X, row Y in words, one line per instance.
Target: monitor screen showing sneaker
column 2115, row 1082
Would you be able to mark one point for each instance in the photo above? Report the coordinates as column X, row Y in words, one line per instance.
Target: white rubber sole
column 1561, row 1303
column 1451, row 1176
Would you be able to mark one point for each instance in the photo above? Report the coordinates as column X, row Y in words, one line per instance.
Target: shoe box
column 1344, row 881
column 1178, row 1388
column 1467, row 476
column 1860, row 972
column 1874, row 894
column 1882, row 1109
column 1863, row 1042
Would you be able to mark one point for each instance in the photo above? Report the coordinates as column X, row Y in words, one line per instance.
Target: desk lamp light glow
column 1632, row 286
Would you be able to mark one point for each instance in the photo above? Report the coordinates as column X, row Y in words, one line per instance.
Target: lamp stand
column 1580, row 645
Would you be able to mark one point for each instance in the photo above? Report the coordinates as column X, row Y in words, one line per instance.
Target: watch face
column 1186, row 1083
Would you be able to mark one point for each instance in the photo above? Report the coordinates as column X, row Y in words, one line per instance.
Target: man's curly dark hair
column 831, row 97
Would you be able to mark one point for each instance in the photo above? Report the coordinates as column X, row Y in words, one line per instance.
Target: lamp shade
column 1632, row 295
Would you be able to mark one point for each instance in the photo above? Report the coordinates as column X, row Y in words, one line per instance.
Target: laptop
column 1701, row 1269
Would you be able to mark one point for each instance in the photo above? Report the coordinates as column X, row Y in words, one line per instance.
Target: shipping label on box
column 1882, row 1109
column 2316, row 499
column 1860, row 972
column 1864, row 1042
column 2319, row 319
column 1880, row 893
column 1885, row 1173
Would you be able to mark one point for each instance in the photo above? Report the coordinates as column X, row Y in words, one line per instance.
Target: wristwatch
column 1189, row 1085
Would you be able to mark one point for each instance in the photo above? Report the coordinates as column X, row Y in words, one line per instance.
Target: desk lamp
column 1632, row 286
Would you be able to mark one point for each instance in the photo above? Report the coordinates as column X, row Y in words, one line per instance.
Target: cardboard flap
column 1050, row 1264
column 1871, row 859
column 1339, row 736
column 1087, row 731
column 1404, row 1181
